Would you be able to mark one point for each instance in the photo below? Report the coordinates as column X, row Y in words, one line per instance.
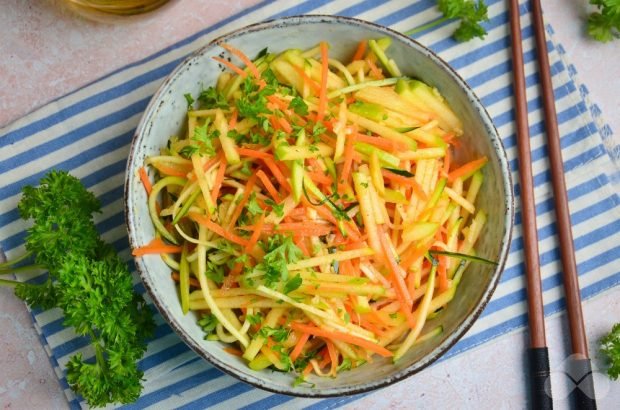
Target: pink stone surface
column 48, row 51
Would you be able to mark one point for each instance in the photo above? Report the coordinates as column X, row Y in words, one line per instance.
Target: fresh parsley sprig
column 90, row 283
column 610, row 347
column 604, row 24
column 470, row 13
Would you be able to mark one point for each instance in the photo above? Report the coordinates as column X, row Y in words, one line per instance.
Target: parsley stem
column 27, row 268
column 5, row 282
column 427, row 26
column 15, row 261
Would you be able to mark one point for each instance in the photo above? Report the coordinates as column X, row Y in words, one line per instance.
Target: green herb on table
column 604, row 24
column 610, row 347
column 90, row 283
column 469, row 12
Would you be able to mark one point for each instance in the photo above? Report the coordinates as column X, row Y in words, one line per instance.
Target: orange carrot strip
column 442, row 275
column 256, row 234
column 286, row 126
column 156, row 246
column 148, row 187
column 268, row 185
column 231, row 66
column 233, row 120
column 417, row 189
column 205, row 221
column 192, row 281
column 253, row 69
column 219, row 178
column 280, row 103
column 271, row 164
column 319, row 177
column 361, row 49
column 299, row 346
column 333, row 357
column 307, row 80
column 172, row 171
column 246, row 194
column 465, row 169
column 233, row 351
column 374, row 69
column 323, row 93
column 348, row 159
column 446, row 163
column 380, row 142
column 402, row 293
column 344, row 337
column 247, row 152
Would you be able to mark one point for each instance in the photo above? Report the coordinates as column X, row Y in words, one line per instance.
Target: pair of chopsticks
column 580, row 367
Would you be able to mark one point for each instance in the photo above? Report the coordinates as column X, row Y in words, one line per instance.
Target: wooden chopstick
column 580, row 366
column 538, row 352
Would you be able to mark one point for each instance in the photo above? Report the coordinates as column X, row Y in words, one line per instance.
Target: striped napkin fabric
column 88, row 133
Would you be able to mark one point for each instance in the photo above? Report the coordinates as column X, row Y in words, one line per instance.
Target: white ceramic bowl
column 166, row 114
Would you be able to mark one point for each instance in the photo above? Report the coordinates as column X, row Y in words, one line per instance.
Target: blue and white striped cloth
column 88, row 133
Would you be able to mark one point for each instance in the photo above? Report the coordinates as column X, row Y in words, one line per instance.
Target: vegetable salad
column 311, row 213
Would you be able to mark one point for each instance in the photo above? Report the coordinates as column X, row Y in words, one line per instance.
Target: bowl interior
column 165, row 117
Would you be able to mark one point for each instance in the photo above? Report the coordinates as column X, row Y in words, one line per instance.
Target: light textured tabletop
column 47, row 52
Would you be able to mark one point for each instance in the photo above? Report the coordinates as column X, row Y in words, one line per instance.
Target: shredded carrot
column 446, row 163
column 286, row 126
column 193, row 282
column 344, row 337
column 246, row 194
column 253, row 69
column 256, row 234
column 268, row 185
column 465, row 169
column 417, row 189
column 323, row 94
column 398, row 281
column 307, row 80
column 252, row 153
column 231, row 66
column 277, row 173
column 376, row 71
column 301, row 342
column 380, row 142
column 348, row 159
column 442, row 275
column 333, row 357
column 209, row 224
column 361, row 49
column 146, row 182
column 219, row 178
column 171, row 170
column 232, row 123
column 233, row 351
column 156, row 246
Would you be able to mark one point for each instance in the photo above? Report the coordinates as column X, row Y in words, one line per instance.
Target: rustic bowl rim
column 462, row 327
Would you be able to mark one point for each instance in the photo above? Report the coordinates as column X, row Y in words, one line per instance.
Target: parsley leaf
column 207, row 323
column 292, row 284
column 280, row 251
column 252, row 206
column 604, row 24
column 210, row 98
column 610, row 347
column 298, row 105
column 215, row 272
column 189, row 99
column 471, row 15
column 255, row 319
column 278, row 209
column 278, row 335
